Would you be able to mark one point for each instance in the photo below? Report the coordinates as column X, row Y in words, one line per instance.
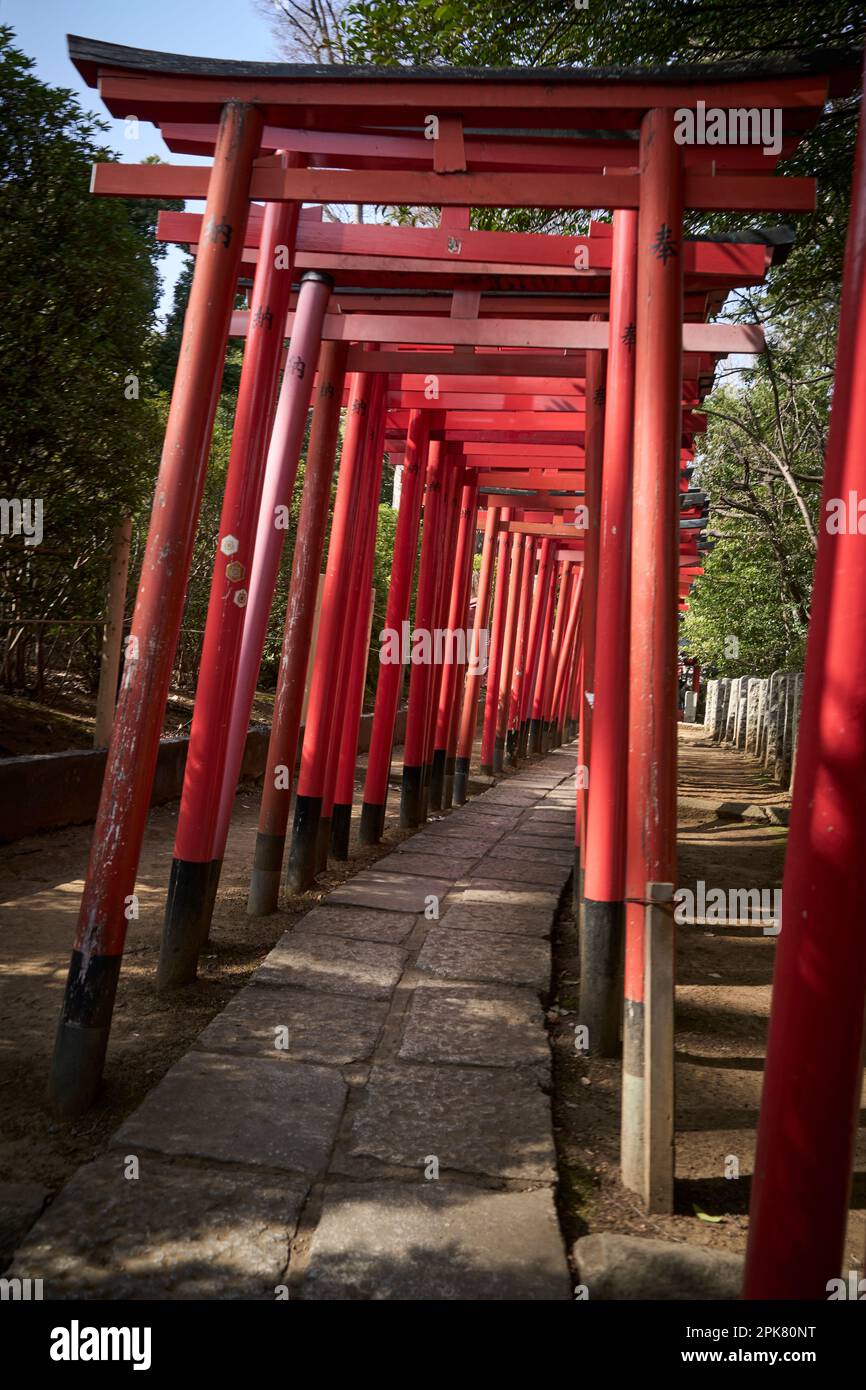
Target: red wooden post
column 444, row 581
column 355, row 612
column 301, row 871
column 195, row 871
column 469, row 710
column 396, row 614
column 533, row 642
column 456, row 699
column 187, row 917
column 300, row 616
column 593, row 451
column 814, row 1068
column 359, row 650
column 515, row 699
column 568, row 655
column 651, row 799
column 419, row 679
column 456, row 625
column 540, row 673
column 604, row 878
column 519, row 561
column 497, row 637
column 85, row 1020
column 553, row 654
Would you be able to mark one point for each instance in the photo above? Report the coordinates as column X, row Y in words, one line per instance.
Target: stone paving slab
column 240, row 1109
column 509, row 921
column 317, row 1029
column 436, row 1240
column 464, row 845
column 479, row 1025
column 475, row 955
column 452, row 867
column 459, row 827
column 391, row 892
column 473, row 1119
column 491, row 892
column 357, row 923
column 516, row 847
column 174, row 1232
column 549, row 815
column 522, row 869
column 333, row 964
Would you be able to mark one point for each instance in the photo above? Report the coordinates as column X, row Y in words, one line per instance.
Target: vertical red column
column 515, row 699
column 553, row 658
column 396, row 616
column 497, row 636
column 814, row 1068
column 88, row 1003
column 519, row 560
column 477, row 659
column 446, row 573
column 358, row 651
column 300, row 617
column 568, row 654
column 420, row 675
column 537, row 697
column 604, row 879
column 593, row 450
column 456, row 620
column 301, row 871
column 187, row 917
column 194, row 871
column 533, row 643
column 651, row 798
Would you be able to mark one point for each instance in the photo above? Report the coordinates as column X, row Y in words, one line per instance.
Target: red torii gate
column 504, row 171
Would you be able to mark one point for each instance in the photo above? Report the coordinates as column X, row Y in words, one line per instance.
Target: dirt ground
column 724, row 979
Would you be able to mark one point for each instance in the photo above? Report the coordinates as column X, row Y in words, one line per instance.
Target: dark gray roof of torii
column 90, row 54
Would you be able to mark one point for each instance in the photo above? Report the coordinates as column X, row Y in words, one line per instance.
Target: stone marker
column 633, row 1267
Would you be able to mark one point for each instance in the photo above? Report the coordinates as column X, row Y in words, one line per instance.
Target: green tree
column 80, row 419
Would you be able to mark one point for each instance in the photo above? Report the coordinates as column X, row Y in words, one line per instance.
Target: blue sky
column 212, row 28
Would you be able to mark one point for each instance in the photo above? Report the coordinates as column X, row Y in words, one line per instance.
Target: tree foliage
column 80, row 420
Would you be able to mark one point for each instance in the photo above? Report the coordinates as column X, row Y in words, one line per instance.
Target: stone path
column 370, row 1117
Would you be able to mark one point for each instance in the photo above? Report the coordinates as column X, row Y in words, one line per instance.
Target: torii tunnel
column 542, row 394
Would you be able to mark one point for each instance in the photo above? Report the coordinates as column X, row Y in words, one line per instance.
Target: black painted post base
column 534, row 739
column 461, row 780
column 341, row 827
column 323, row 843
column 82, row 1034
column 498, row 754
column 601, row 960
column 410, row 797
column 448, row 785
column 264, row 894
column 192, row 890
column 437, row 780
column 301, row 868
column 372, row 823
